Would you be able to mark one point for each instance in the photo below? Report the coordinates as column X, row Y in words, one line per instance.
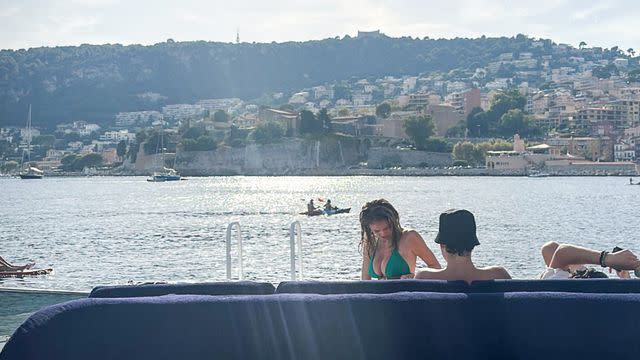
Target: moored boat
column 30, row 172
column 166, row 175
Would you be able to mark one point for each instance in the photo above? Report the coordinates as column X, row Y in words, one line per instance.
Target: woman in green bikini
column 389, row 251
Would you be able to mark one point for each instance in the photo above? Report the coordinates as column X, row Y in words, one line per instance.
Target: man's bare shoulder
column 429, row 274
column 497, row 272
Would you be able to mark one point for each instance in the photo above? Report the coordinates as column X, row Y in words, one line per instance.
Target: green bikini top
column 396, row 267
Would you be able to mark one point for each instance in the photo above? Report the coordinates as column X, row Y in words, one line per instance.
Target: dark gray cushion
column 214, row 288
column 370, row 287
column 562, row 285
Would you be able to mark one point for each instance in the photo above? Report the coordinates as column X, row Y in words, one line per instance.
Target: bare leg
column 6, row 266
column 548, row 250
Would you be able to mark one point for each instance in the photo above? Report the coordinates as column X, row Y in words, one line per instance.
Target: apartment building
column 181, row 111
column 393, row 126
column 418, row 101
column 288, row 120
column 137, row 118
column 213, row 105
column 624, row 152
column 117, row 136
column 465, row 101
column 444, row 117
column 622, row 114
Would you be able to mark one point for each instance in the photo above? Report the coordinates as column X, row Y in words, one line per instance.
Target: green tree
column 67, row 162
column 309, row 123
column 507, row 100
column 438, row 145
column 269, row 132
column 419, row 129
column 202, row 143
column 325, row 120
column 220, row 116
column 478, row 123
column 503, row 102
column 582, row 45
column 46, row 141
column 71, row 136
column 236, row 137
column 121, row 150
column 9, row 166
column 465, row 151
column 88, row 161
column 513, row 122
column 193, row 133
column 383, row 110
column 633, row 76
column 152, row 143
column 343, row 112
column 457, row 131
column 133, row 151
column 141, row 136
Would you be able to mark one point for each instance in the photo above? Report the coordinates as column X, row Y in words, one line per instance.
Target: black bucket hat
column 457, row 229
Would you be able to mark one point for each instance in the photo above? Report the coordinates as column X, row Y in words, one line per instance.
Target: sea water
column 118, row 230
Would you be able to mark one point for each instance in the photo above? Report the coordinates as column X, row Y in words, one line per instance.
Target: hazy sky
column 32, row 23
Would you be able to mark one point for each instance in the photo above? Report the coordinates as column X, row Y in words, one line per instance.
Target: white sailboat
column 164, row 173
column 29, row 172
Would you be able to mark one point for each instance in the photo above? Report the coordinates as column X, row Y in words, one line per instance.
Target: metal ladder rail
column 295, row 231
column 239, row 239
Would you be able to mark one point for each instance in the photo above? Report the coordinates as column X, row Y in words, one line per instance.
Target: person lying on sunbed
column 6, row 266
column 566, row 261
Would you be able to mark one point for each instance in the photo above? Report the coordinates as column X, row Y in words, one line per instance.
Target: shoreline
column 411, row 172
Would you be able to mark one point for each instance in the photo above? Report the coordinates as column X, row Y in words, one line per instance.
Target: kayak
column 21, row 273
column 326, row 212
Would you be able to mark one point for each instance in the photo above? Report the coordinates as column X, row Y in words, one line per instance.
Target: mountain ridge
column 93, row 82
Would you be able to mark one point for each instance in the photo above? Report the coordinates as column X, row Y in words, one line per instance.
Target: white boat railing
column 239, row 239
column 295, row 231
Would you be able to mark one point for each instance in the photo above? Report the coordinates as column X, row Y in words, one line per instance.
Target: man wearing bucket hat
column 457, row 238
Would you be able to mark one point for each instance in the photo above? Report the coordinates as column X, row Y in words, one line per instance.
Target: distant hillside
column 93, row 82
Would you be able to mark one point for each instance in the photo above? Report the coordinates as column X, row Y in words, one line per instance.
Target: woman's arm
column 421, row 250
column 365, row 264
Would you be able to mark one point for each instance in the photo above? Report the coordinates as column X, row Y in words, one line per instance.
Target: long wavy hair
column 374, row 211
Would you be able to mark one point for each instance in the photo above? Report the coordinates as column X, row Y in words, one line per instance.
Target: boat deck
column 17, row 304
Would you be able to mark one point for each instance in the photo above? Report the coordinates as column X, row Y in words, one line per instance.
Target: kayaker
column 311, row 207
column 328, row 206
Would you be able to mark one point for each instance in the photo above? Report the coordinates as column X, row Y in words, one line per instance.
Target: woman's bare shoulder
column 411, row 235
